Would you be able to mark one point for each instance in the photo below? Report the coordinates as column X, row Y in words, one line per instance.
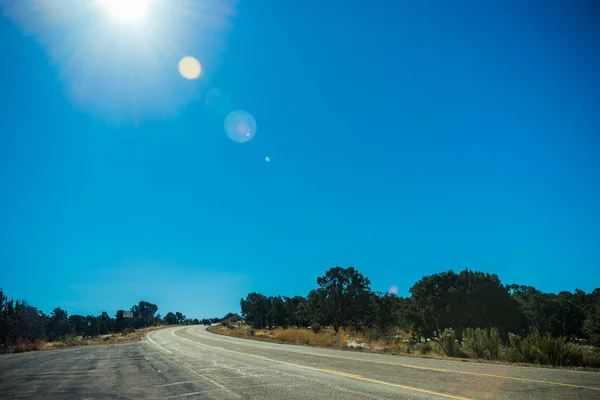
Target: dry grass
column 395, row 344
column 72, row 341
column 398, row 343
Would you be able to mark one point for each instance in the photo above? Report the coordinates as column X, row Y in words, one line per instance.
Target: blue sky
column 404, row 140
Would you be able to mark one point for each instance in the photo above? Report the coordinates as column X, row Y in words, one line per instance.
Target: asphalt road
column 190, row 363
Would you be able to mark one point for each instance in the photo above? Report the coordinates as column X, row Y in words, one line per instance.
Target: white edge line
column 190, row 369
column 156, row 344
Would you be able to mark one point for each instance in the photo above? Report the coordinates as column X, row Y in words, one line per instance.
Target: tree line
column 459, row 302
column 21, row 322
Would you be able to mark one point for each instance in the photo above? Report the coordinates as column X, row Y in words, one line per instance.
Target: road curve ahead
column 189, row 363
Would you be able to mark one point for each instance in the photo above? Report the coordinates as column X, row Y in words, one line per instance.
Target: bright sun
column 126, row 11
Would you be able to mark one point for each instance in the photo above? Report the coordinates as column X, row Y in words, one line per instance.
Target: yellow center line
column 326, row 371
column 454, row 371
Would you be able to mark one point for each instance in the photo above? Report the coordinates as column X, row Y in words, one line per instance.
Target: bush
column 127, row 331
column 479, row 343
column 72, row 340
column 447, row 342
column 316, row 327
column 536, row 349
column 423, row 348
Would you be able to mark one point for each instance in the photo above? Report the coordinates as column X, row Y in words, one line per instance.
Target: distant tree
column 316, row 307
column 465, row 300
column 120, row 321
column 591, row 325
column 32, row 322
column 298, row 311
column 277, row 314
column 255, row 308
column 388, row 311
column 79, row 324
column 180, row 317
column 170, row 319
column 92, row 325
column 58, row 324
column 144, row 314
column 343, row 289
column 105, row 323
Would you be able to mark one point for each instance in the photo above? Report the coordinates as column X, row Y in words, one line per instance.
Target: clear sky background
column 404, row 140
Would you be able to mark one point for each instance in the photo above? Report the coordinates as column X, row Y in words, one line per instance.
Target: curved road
column 188, row 363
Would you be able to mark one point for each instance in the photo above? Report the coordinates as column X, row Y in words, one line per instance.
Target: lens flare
column 190, row 68
column 268, row 159
column 126, row 11
column 393, row 290
column 240, row 126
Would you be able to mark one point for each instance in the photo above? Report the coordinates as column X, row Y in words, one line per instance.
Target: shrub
column 71, row 340
column 424, row 348
column 316, row 327
column 127, row 331
column 479, row 343
column 447, row 342
column 536, row 349
column 521, row 350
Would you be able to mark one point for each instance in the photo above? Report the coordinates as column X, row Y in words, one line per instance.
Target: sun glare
column 126, row 11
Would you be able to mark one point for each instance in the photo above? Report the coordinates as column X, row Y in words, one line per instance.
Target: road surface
column 189, row 363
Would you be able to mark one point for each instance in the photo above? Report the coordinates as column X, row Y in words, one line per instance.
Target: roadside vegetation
column 469, row 315
column 24, row 327
column 72, row 340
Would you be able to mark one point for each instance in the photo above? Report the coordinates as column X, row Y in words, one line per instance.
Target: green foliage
column 143, row 314
column 459, row 301
column 127, row 331
column 346, row 296
column 316, row 327
column 277, row 315
column 545, row 349
column 591, row 325
column 255, row 308
column 481, row 343
column 23, row 327
column 448, row 342
column 170, row 319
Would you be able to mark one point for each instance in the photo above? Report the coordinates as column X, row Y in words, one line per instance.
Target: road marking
column 455, row 371
column 192, row 371
column 326, row 371
column 156, row 344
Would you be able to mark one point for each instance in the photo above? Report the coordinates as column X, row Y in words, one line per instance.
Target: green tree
column 467, row 299
column 316, row 307
column 344, row 289
column 170, row 319
column 32, row 322
column 79, row 324
column 299, row 311
column 591, row 325
column 120, row 321
column 277, row 315
column 255, row 308
column 144, row 313
column 58, row 324
column 180, row 317
column 388, row 311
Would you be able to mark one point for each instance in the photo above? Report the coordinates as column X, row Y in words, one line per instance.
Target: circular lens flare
column 393, row 290
column 240, row 126
column 190, row 68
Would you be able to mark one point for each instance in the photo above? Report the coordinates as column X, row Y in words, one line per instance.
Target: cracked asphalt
column 188, row 362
